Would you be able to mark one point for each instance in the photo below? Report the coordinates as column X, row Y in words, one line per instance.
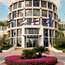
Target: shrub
column 34, row 53
column 63, row 50
column 27, row 53
column 39, row 50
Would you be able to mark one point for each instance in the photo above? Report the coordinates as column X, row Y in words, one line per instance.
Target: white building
column 32, row 23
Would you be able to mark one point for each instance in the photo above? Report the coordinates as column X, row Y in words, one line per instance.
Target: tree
column 59, row 40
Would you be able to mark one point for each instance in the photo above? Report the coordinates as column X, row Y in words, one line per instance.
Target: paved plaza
column 60, row 56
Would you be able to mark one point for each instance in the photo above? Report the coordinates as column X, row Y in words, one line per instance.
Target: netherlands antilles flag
column 50, row 20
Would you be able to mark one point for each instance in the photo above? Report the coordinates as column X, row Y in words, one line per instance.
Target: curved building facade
column 32, row 23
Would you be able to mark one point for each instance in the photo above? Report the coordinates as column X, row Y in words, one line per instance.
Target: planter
column 17, row 60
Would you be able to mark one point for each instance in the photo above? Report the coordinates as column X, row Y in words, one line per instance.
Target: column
column 23, row 40
column 41, row 40
column 49, row 39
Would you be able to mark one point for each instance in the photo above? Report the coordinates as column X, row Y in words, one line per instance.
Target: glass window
column 10, row 8
column 15, row 6
column 56, row 24
column 54, row 15
column 44, row 22
column 19, row 32
column 13, row 33
column 28, row 12
column 13, row 23
column 9, row 24
column 20, row 13
column 19, row 22
column 54, row 8
column 43, row 4
column 36, row 12
column 23, row 4
column 36, row 21
column 36, row 3
column 28, row 3
column 9, row 16
column 51, row 33
column 49, row 5
column 44, row 13
column 29, row 21
column 19, row 4
column 14, row 14
column 19, row 41
column 50, row 13
column 31, row 31
column 46, row 33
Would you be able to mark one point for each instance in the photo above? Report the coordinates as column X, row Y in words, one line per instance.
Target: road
column 59, row 56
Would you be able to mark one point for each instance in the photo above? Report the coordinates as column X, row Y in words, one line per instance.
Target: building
column 32, row 23
column 62, row 27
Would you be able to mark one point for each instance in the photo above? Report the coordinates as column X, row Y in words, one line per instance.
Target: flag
column 49, row 21
column 24, row 23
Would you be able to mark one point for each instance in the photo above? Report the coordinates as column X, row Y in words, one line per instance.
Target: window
column 19, row 4
column 36, row 3
column 14, row 14
column 31, row 31
column 19, row 32
column 29, row 21
column 9, row 24
column 13, row 33
column 51, row 33
column 28, row 13
column 43, row 4
column 54, row 8
column 13, row 23
column 36, row 12
column 50, row 13
column 19, row 22
column 9, row 16
column 45, row 33
column 44, row 22
column 20, row 13
column 56, row 24
column 28, row 3
column 44, row 13
column 10, row 8
column 15, row 6
column 54, row 15
column 19, row 41
column 49, row 5
column 36, row 21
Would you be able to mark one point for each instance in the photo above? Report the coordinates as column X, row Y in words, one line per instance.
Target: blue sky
column 4, row 10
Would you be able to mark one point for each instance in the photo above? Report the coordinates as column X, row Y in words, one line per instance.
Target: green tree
column 59, row 40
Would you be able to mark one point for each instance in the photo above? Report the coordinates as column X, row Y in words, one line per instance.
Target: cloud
column 57, row 2
column 4, row 2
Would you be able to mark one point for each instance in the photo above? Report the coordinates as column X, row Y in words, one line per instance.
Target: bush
column 39, row 49
column 63, row 50
column 34, row 53
column 27, row 53
column 16, row 60
column 6, row 47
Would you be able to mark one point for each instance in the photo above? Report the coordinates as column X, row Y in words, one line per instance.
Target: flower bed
column 17, row 60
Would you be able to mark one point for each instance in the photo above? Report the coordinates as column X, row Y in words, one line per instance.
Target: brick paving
column 19, row 53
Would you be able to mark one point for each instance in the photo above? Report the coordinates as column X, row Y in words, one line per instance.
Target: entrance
column 31, row 41
column 45, row 42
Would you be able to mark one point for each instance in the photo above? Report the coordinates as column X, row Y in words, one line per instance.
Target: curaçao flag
column 49, row 21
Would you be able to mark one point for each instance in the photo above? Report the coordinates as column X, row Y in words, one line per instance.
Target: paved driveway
column 59, row 56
